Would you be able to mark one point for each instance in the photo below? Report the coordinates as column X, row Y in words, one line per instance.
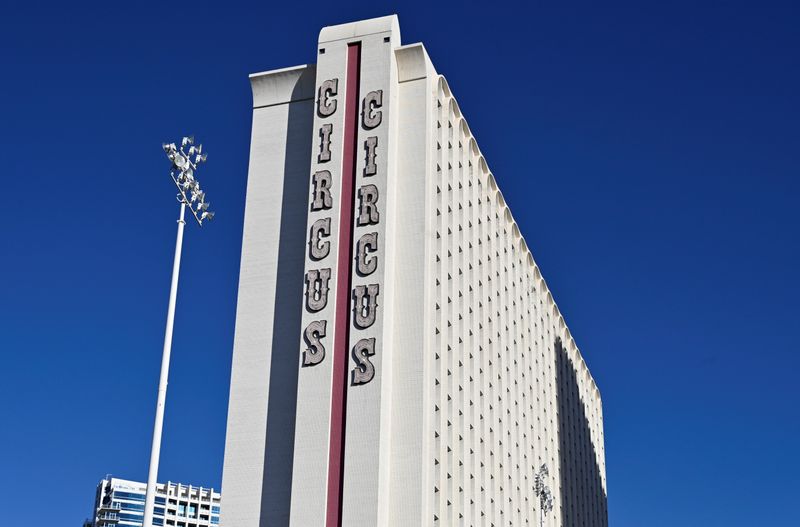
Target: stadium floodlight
column 542, row 491
column 190, row 196
column 183, row 174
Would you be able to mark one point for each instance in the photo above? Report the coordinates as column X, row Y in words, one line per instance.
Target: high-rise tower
column 398, row 358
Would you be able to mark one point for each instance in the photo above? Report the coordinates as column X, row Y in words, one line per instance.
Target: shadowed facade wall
column 583, row 495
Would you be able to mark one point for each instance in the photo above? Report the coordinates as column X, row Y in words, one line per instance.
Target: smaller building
column 120, row 503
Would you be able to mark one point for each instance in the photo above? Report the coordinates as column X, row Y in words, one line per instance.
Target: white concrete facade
column 398, row 358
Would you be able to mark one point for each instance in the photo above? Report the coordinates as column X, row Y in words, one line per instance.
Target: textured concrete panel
column 257, row 472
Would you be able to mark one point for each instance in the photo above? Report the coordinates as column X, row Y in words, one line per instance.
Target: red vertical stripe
column 343, row 287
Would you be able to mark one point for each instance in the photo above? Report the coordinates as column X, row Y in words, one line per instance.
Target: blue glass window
column 128, row 496
column 130, row 517
column 132, row 506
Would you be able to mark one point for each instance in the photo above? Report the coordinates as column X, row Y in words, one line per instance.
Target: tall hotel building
column 398, row 358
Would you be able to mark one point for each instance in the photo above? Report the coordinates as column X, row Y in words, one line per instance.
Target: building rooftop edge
column 112, row 479
column 413, row 62
column 283, row 85
column 389, row 23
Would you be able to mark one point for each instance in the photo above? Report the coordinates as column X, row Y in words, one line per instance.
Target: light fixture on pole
column 542, row 492
column 183, row 174
column 185, row 162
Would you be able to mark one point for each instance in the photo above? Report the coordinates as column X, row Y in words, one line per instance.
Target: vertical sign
column 339, row 419
column 371, row 296
column 320, row 404
column 338, row 383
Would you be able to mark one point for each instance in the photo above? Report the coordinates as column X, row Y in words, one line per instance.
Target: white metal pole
column 155, row 451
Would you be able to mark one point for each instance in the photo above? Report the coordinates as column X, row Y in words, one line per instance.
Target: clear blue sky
column 650, row 154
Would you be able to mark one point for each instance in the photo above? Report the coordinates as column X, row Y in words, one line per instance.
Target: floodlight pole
column 155, row 451
column 185, row 162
